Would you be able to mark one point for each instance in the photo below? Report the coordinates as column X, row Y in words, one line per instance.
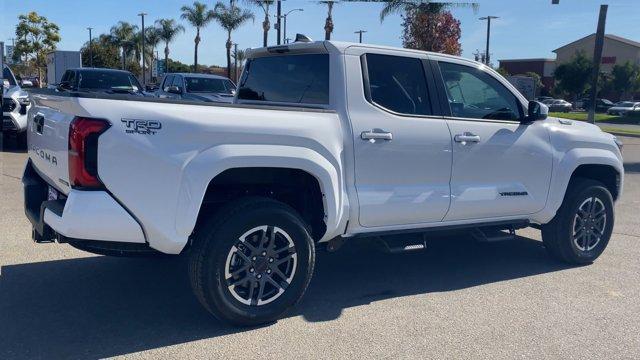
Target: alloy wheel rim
column 589, row 224
column 260, row 265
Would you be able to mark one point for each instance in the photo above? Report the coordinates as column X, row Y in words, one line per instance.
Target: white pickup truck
column 325, row 141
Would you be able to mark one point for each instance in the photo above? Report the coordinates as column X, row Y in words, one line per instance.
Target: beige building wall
column 614, row 52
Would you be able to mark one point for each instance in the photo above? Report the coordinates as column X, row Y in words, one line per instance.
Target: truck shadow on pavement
column 98, row 307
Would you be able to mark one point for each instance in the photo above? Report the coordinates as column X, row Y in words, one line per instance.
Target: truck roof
column 328, row 46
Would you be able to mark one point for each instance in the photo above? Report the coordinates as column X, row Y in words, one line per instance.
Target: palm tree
column 198, row 16
column 168, row 29
column 266, row 25
column 230, row 18
column 239, row 56
column 152, row 40
column 123, row 35
column 328, row 24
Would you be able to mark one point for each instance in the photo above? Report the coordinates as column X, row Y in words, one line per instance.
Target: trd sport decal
column 143, row 127
column 514, row 193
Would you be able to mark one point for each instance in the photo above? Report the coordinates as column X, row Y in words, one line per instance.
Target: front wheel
column 252, row 261
column 581, row 229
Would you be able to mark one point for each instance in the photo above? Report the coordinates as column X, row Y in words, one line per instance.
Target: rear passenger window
column 297, row 79
column 398, row 84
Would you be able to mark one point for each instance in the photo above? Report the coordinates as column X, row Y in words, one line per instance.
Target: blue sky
column 526, row 28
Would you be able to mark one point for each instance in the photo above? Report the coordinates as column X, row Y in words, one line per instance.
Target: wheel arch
column 203, row 172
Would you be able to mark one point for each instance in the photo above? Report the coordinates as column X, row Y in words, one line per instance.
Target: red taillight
column 83, row 151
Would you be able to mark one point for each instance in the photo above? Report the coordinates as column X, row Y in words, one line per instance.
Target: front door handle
column 376, row 134
column 467, row 137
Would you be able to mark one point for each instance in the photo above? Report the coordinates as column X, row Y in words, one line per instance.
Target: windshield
column 209, row 85
column 8, row 76
column 107, row 81
column 626, row 104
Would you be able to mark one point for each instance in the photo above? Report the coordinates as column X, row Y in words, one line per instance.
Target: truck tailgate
column 47, row 137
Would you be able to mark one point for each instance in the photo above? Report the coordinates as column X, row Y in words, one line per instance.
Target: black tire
column 213, row 253
column 21, row 140
column 558, row 234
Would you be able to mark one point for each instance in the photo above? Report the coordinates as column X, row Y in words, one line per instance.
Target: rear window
column 107, row 80
column 298, row 79
column 208, row 85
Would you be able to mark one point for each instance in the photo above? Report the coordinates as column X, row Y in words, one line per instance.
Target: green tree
column 537, row 80
column 168, row 30
column 266, row 25
column 502, row 71
column 36, row 37
column 105, row 53
column 230, row 18
column 197, row 16
column 123, row 34
column 625, row 79
column 573, row 77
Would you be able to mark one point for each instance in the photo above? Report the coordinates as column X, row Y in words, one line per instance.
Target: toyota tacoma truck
column 325, row 141
column 15, row 105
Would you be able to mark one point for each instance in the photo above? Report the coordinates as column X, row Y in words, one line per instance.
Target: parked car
column 542, row 99
column 559, row 105
column 26, row 83
column 100, row 81
column 623, row 107
column 15, row 105
column 602, row 105
column 197, row 87
column 326, row 141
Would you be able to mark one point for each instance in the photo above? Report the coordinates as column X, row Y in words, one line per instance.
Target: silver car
column 623, row 107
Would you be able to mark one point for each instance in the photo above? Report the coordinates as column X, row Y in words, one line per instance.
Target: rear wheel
column 581, row 229
column 252, row 261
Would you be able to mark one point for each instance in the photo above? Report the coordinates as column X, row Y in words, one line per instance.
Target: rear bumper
column 82, row 215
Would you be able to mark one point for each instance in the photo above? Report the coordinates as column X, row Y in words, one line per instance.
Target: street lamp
column 144, row 75
column 488, row 18
column 360, row 32
column 285, row 22
column 90, row 48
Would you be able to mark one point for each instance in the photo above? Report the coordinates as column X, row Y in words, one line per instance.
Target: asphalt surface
column 459, row 299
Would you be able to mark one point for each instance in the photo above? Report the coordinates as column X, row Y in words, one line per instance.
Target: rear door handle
column 376, row 134
column 467, row 137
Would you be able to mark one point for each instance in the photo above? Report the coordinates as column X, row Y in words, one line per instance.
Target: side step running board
column 403, row 244
column 491, row 234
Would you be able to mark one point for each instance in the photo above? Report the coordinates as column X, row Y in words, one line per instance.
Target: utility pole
column 90, row 48
column 13, row 41
column 597, row 59
column 278, row 16
column 360, row 32
column 235, row 62
column 144, row 75
column 488, row 18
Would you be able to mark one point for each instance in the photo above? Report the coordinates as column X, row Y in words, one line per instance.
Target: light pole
column 488, row 18
column 360, row 32
column 90, row 48
column 285, row 23
column 144, row 75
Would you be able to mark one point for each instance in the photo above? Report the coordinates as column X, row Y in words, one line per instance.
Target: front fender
column 206, row 165
column 564, row 169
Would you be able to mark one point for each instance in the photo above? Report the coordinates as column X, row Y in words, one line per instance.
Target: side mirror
column 64, row 85
column 536, row 111
column 174, row 89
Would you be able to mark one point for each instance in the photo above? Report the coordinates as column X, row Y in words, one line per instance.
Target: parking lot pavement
column 458, row 299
